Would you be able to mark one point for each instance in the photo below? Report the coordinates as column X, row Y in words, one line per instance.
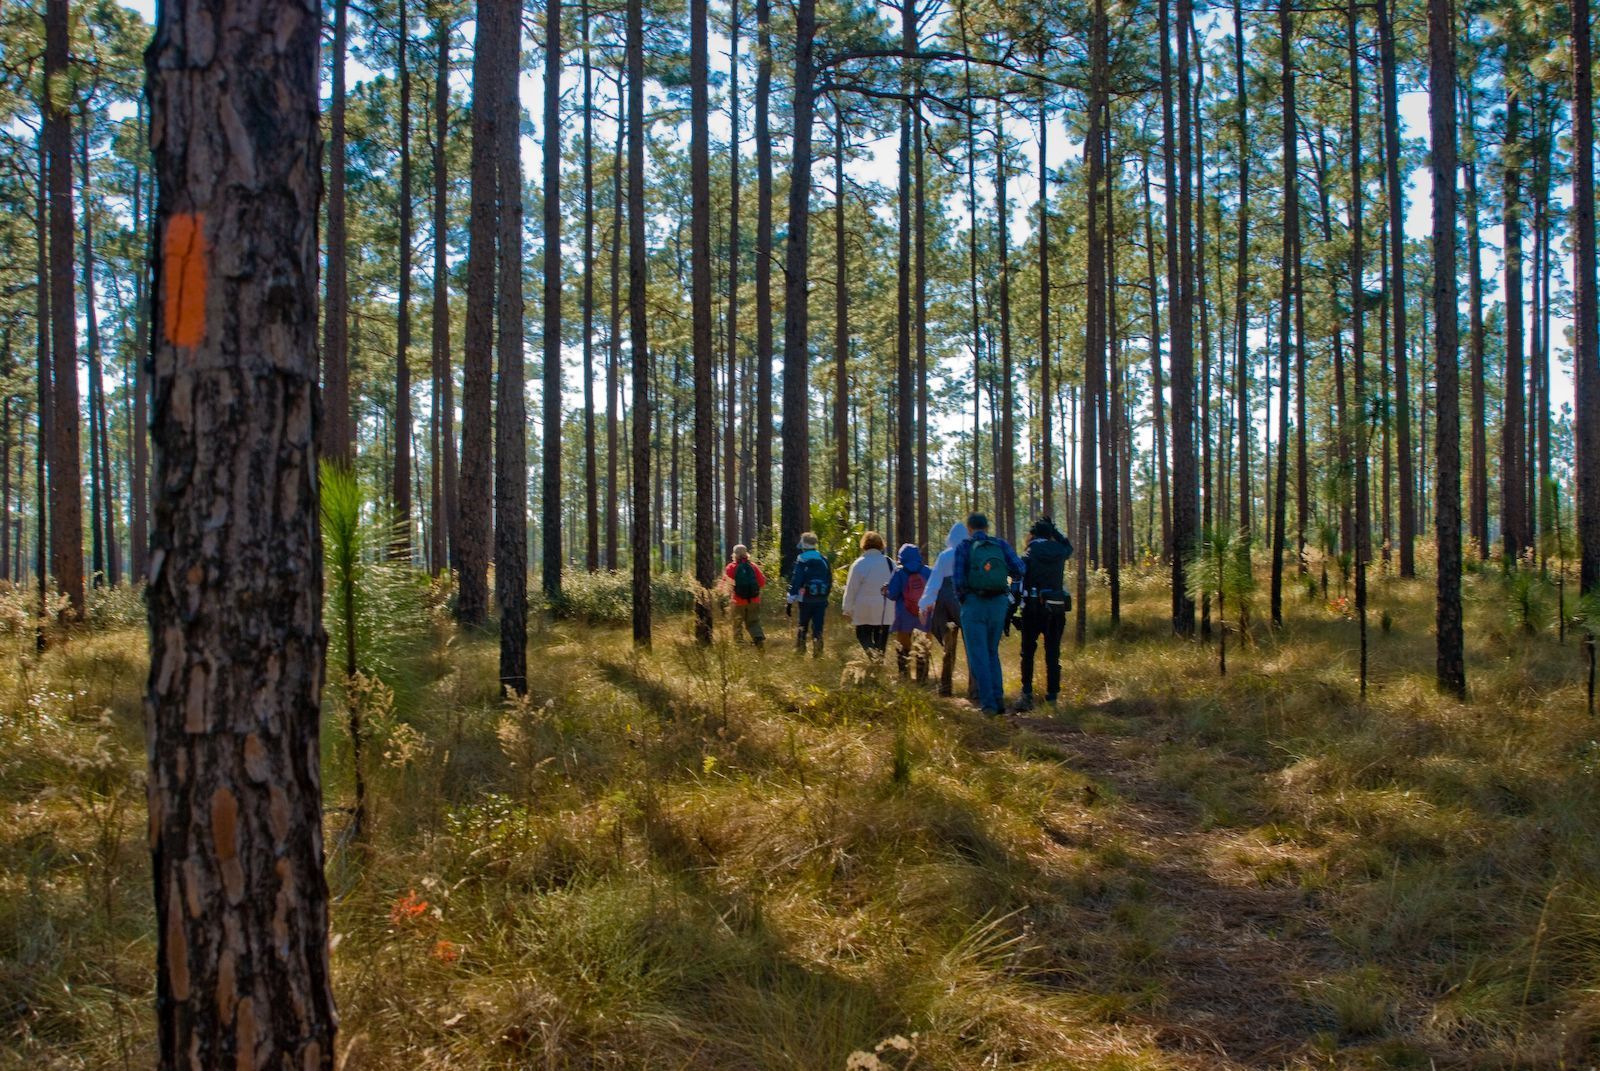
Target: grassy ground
column 699, row 858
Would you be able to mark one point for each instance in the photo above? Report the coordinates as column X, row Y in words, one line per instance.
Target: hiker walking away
column 864, row 604
column 809, row 588
column 905, row 591
column 984, row 567
column 940, row 610
column 1045, row 603
column 745, row 581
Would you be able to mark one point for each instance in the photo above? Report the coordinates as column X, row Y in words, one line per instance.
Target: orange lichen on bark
column 184, row 263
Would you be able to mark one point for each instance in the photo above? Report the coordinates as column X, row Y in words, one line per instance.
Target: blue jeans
column 983, row 621
column 811, row 617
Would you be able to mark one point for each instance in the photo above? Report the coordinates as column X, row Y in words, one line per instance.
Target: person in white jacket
column 865, row 605
column 941, row 611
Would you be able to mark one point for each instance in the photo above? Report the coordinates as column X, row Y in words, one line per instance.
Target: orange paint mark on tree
column 185, row 262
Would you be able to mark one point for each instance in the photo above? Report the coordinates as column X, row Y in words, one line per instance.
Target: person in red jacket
column 745, row 581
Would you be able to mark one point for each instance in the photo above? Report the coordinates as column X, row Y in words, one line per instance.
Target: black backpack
column 746, row 583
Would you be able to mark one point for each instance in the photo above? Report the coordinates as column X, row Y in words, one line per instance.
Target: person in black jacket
column 1045, row 603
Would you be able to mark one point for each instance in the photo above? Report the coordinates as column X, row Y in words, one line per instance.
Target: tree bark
column 705, row 417
column 1241, row 311
column 639, row 319
column 444, row 406
column 1397, row 296
column 1358, row 353
column 66, row 498
column 1046, row 459
column 905, row 456
column 550, row 536
column 1450, row 667
column 1157, row 388
column 1005, row 495
column 614, row 341
column 763, row 134
column 235, row 597
column 841, row 317
column 44, row 456
column 472, row 553
column 338, row 430
column 510, row 414
column 1515, row 533
column 1291, row 237
column 730, row 433
column 1185, row 508
column 1478, row 473
column 796, row 505
column 401, row 474
column 591, row 467
column 1585, row 349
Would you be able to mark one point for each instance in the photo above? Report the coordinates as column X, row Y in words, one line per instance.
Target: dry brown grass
column 702, row 858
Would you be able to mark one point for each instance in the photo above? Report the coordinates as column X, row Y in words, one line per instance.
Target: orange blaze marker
column 184, row 261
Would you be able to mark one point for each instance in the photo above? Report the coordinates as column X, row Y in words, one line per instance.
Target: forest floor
column 703, row 858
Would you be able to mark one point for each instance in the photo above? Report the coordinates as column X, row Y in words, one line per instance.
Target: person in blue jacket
column 905, row 590
column 983, row 570
column 810, row 584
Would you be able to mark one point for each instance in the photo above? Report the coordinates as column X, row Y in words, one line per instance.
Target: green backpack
column 986, row 568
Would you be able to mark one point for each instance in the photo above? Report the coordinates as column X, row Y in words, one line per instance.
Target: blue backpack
column 816, row 577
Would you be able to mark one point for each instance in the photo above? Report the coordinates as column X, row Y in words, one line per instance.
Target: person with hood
column 905, row 591
column 810, row 584
column 745, row 580
column 941, row 610
column 1045, row 603
column 864, row 604
column 983, row 570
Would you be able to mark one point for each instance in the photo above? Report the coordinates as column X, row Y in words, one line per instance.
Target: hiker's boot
column 816, row 647
column 1051, row 699
column 922, row 669
column 800, row 642
column 1023, row 704
column 760, row 642
column 901, row 659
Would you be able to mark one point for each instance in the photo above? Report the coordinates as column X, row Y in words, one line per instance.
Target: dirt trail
column 1236, row 974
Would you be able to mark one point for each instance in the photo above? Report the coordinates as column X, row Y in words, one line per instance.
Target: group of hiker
column 974, row 591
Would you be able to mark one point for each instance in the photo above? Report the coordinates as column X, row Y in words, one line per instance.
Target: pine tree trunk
column 1514, row 533
column 338, row 431
column 919, row 300
column 444, row 406
column 139, row 518
column 1478, row 474
column 1586, row 350
column 477, row 476
column 1005, row 495
column 614, row 341
column 510, row 414
column 1291, row 236
column 591, row 466
column 841, row 316
column 1185, row 509
column 44, row 456
column 763, row 134
column 66, row 499
column 1241, row 312
column 1157, row 387
column 730, row 432
column 639, row 320
column 1094, row 351
column 904, row 414
column 99, row 506
column 1451, row 667
column 401, row 476
column 796, row 500
column 550, row 525
column 1046, row 460
column 1397, row 294
column 233, row 704
column 1358, row 354
column 705, row 417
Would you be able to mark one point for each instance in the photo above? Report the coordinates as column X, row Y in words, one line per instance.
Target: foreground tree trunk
column 510, row 414
column 1291, row 237
column 591, row 468
column 1450, row 667
column 639, row 321
column 1587, row 343
column 796, row 499
column 444, row 404
column 705, row 418
column 400, row 485
column 66, row 466
column 472, row 512
column 763, row 135
column 235, row 597
column 551, row 500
